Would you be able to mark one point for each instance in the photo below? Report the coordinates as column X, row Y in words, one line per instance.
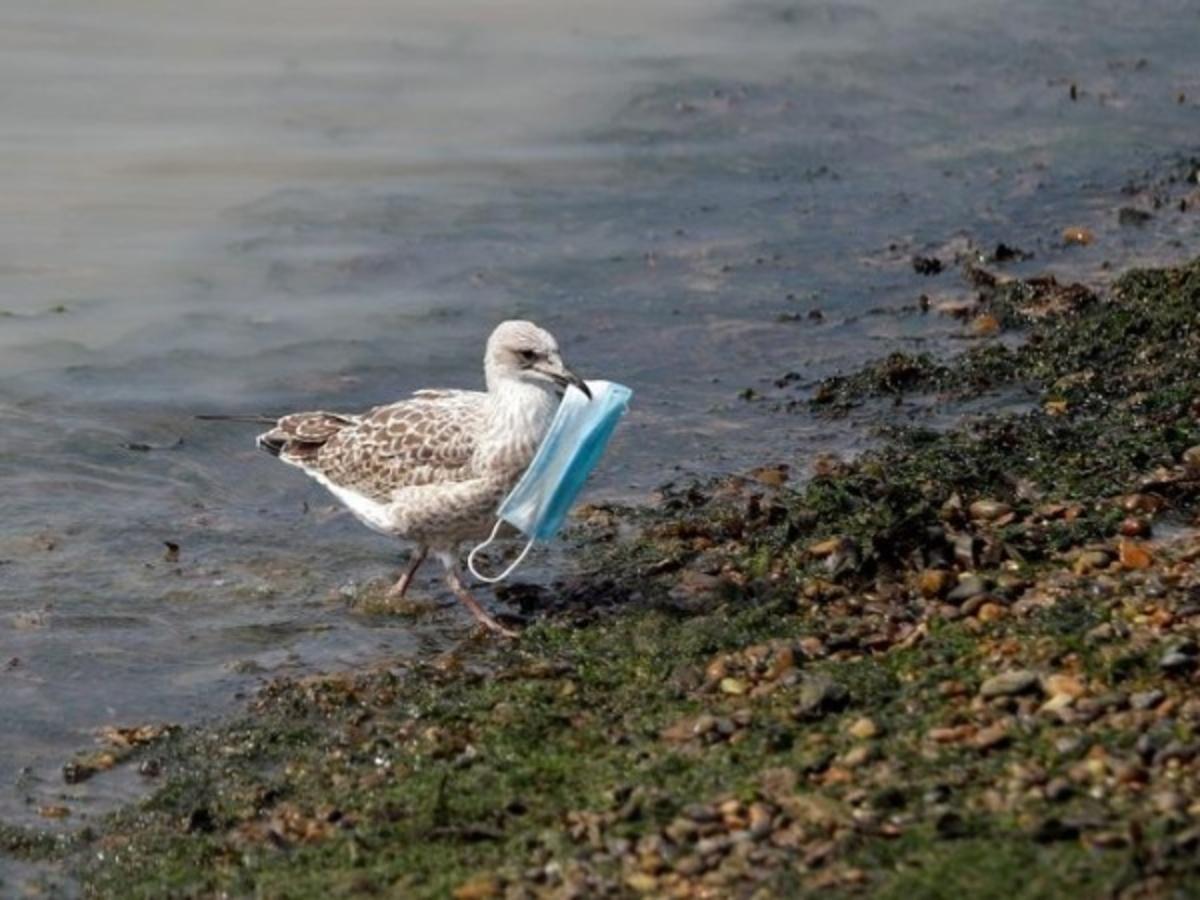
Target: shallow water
column 263, row 207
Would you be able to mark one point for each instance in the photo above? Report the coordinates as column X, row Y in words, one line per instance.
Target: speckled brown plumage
column 434, row 468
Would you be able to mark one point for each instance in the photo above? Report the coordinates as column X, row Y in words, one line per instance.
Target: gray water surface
column 231, row 207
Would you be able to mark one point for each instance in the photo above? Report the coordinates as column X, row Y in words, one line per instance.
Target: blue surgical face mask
column 572, row 447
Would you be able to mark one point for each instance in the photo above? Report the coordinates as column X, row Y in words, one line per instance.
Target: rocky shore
column 963, row 664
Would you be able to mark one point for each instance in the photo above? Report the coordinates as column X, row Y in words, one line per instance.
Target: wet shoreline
column 968, row 649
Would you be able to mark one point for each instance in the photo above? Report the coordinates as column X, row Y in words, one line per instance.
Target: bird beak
column 564, row 376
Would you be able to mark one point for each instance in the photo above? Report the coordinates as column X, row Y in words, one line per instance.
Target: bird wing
column 427, row 439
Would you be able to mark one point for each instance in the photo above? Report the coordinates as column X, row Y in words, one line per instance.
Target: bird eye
column 528, row 355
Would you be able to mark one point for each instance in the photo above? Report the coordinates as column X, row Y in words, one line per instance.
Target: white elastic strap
column 516, row 562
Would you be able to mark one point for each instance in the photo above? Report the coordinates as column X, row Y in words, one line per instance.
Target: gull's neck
column 518, row 414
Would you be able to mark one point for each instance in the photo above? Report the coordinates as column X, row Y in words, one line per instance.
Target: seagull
column 432, row 469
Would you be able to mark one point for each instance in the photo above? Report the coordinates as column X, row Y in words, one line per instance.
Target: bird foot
column 488, row 623
column 400, row 588
column 481, row 615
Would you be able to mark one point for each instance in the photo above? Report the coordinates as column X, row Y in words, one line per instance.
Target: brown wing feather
column 424, row 440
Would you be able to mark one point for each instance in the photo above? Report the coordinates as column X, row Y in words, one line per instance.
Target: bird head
column 522, row 351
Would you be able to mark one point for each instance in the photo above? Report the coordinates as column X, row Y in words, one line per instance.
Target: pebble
column 968, row 586
column 1058, row 789
column 1062, row 684
column 857, row 756
column 760, row 818
column 1091, row 561
column 1176, row 662
column 1008, row 684
column 934, row 583
column 988, row 510
column 991, row 612
column 1077, row 235
column 985, row 325
column 1170, row 802
column 478, row 889
column 689, row 865
column 1057, row 703
column 819, row 695
column 700, row 812
column 1146, row 699
column 734, row 686
column 966, row 550
column 864, row 729
column 642, row 882
column 825, row 548
column 1191, row 459
column 992, row 736
column 1132, row 526
column 1134, row 556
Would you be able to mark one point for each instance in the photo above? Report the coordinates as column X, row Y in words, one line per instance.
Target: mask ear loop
column 516, row 562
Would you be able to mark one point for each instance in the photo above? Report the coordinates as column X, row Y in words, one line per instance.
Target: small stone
column 825, row 548
column 1091, row 561
column 820, row 695
column 700, row 812
column 1191, row 459
column 481, row 888
column 991, row 612
column 988, row 510
column 1170, row 802
column 1057, row 703
column 966, row 550
column 711, row 846
column 934, row 583
column 1078, row 235
column 1146, row 699
column 1063, row 684
column 968, row 586
column 760, row 819
column 864, row 729
column 1176, row 662
column 857, row 756
column 734, row 686
column 772, row 476
column 1134, row 555
column 689, row 865
column 993, row 736
column 1133, row 526
column 951, row 734
column 985, row 325
column 1141, row 503
column 1008, row 684
column 1070, row 745
column 642, row 882
column 1057, row 790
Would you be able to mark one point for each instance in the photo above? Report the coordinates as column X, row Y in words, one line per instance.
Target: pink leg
column 465, row 598
column 400, row 588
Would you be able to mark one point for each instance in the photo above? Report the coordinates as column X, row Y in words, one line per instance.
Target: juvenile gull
column 433, row 469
